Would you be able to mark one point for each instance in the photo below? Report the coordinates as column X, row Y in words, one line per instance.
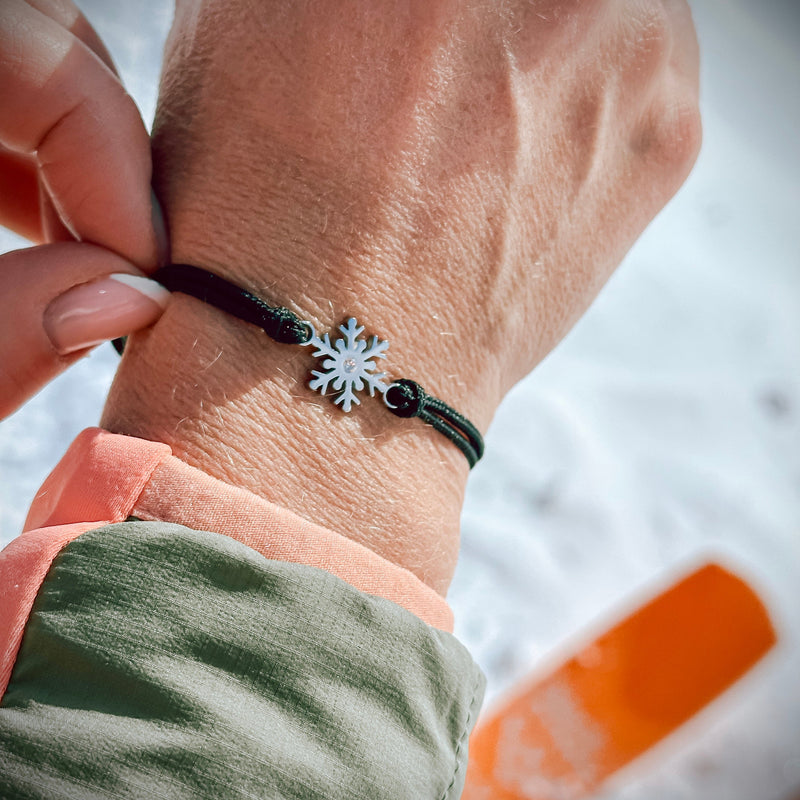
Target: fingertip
column 60, row 300
column 107, row 308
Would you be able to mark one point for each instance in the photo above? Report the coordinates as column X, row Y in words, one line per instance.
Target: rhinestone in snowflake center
column 348, row 364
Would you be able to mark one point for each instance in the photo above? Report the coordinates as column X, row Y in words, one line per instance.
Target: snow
column 664, row 430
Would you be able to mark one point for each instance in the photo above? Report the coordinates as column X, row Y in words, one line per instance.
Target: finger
column 25, row 204
column 19, row 194
column 69, row 16
column 25, row 209
column 58, row 100
column 61, row 300
column 53, row 228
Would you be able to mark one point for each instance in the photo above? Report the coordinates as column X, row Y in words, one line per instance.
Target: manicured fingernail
column 103, row 309
column 160, row 227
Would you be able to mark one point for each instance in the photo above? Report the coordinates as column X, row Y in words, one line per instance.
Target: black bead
column 405, row 398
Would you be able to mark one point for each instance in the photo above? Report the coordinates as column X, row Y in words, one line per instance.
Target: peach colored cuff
column 24, row 563
column 106, row 477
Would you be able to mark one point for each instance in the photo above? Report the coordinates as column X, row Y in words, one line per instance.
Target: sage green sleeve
column 162, row 662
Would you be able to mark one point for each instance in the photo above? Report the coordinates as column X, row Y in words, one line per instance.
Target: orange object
column 108, row 476
column 564, row 732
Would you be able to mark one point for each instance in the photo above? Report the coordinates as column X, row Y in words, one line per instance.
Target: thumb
column 61, row 300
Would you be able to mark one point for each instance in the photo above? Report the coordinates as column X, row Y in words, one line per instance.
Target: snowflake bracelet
column 348, row 364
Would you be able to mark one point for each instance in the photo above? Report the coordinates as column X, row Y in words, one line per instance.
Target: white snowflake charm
column 348, row 364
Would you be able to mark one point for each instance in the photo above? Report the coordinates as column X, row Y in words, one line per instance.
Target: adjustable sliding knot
column 348, row 365
column 405, row 398
column 285, row 327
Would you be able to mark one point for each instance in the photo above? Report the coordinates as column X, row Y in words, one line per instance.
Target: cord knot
column 284, row 326
column 405, row 398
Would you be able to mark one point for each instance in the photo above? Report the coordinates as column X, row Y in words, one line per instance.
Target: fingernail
column 103, row 309
column 160, row 227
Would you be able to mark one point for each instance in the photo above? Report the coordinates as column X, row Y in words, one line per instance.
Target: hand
column 75, row 174
column 460, row 176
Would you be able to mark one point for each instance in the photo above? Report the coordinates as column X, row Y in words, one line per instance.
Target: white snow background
column 665, row 428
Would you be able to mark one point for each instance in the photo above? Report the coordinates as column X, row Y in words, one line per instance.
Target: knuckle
column 688, row 129
column 670, row 136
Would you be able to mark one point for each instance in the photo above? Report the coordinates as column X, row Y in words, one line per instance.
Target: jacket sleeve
column 160, row 661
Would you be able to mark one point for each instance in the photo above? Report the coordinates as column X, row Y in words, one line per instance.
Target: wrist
column 331, row 229
column 236, row 404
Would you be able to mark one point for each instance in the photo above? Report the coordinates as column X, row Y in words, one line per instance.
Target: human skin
column 462, row 177
column 74, row 174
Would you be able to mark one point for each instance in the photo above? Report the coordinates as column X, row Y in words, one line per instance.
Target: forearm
column 461, row 179
column 238, row 405
column 331, row 238
column 235, row 404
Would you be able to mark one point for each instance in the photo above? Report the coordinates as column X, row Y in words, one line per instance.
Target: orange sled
column 561, row 734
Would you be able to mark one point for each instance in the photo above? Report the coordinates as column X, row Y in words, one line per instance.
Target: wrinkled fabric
column 164, row 662
column 106, row 477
